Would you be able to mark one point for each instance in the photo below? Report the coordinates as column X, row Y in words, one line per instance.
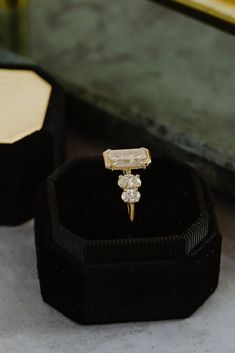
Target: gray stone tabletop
column 165, row 80
column 28, row 325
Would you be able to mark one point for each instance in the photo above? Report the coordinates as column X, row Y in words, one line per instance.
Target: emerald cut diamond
column 134, row 158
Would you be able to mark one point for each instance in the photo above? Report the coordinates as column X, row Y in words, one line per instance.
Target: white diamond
column 130, row 196
column 129, row 181
column 127, row 159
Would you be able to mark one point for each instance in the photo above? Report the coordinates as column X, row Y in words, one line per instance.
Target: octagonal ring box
column 31, row 137
column 95, row 266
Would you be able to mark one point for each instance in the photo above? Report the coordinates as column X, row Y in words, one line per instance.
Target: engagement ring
column 126, row 160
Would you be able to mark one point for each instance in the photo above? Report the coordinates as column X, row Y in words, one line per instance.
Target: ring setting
column 127, row 160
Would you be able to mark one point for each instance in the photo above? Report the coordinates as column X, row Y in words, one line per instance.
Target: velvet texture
column 26, row 163
column 96, row 267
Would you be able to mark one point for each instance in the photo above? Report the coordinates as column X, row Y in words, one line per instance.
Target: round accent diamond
column 131, row 196
column 129, row 181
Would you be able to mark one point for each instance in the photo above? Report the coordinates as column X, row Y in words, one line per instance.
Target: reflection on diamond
column 131, row 196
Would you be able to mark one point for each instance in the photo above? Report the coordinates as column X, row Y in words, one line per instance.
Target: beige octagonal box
column 31, row 137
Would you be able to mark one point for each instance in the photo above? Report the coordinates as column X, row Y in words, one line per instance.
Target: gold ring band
column 131, row 211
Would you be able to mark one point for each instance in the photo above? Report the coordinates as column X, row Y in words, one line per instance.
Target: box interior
column 89, row 200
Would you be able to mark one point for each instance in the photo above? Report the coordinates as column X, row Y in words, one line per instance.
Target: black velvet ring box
column 32, row 141
column 96, row 267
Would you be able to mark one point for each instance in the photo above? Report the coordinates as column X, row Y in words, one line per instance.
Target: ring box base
column 94, row 272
